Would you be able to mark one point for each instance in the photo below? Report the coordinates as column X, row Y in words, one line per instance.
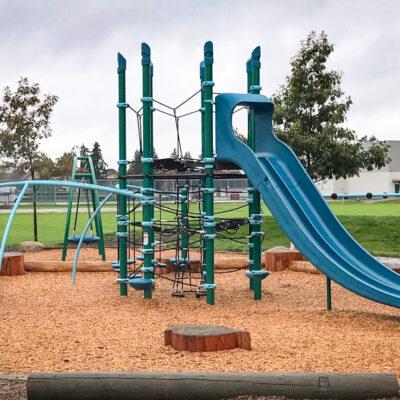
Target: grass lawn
column 375, row 225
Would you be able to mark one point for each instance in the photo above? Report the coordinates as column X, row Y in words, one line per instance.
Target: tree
column 99, row 165
column 64, row 164
column 310, row 111
column 187, row 156
column 135, row 168
column 24, row 123
column 45, row 167
column 83, row 152
column 174, row 153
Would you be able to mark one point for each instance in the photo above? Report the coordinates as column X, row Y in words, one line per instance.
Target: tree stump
column 13, row 264
column 196, row 338
column 279, row 260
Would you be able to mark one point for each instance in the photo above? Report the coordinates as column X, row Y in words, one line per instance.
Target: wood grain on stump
column 13, row 264
column 279, row 260
column 206, row 338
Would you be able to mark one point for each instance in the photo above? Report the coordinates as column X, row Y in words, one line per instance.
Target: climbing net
column 179, row 219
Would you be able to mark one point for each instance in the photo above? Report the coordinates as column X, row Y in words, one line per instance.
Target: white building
column 386, row 179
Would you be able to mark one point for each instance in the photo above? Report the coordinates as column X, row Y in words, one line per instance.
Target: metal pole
column 185, row 225
column 203, row 155
column 122, row 218
column 69, row 212
column 256, row 218
column 147, row 164
column 95, row 205
column 250, row 188
column 328, row 294
column 209, row 161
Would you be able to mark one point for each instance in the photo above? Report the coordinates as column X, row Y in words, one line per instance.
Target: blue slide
column 297, row 205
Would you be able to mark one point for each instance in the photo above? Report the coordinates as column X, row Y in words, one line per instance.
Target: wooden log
column 222, row 261
column 209, row 385
column 66, row 266
column 13, row 264
column 303, row 266
column 197, row 338
column 280, row 260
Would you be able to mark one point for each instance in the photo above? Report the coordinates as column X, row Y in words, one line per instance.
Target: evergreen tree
column 99, row 165
column 83, row 152
column 310, row 111
column 174, row 153
column 187, row 156
column 135, row 168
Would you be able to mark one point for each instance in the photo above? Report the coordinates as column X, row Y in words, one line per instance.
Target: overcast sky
column 70, row 48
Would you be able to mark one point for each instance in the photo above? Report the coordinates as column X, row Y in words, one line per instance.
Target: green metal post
column 147, row 164
column 328, row 294
column 250, row 188
column 256, row 216
column 184, row 233
column 208, row 159
column 203, row 155
column 95, row 205
column 69, row 211
column 122, row 218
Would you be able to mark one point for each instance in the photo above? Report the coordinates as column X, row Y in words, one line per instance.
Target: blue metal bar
column 87, row 186
column 10, row 221
column 85, row 229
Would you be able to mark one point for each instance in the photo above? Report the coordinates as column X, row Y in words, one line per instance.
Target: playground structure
column 206, row 225
column 83, row 173
column 274, row 174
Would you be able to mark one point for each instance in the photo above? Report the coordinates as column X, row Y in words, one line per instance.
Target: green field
column 375, row 225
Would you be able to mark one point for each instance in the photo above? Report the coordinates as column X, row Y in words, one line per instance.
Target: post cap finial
column 121, row 63
column 255, row 57
column 209, row 52
column 256, row 53
column 146, row 53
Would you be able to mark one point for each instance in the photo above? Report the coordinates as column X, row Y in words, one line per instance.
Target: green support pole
column 147, row 164
column 328, row 294
column 208, row 159
column 69, row 211
column 184, row 232
column 203, row 155
column 95, row 205
column 250, row 188
column 122, row 218
column 256, row 217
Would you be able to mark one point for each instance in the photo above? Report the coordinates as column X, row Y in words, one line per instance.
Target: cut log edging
column 105, row 266
column 12, row 264
column 66, row 266
column 210, row 385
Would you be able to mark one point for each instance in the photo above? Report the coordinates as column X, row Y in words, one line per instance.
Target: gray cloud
column 70, row 49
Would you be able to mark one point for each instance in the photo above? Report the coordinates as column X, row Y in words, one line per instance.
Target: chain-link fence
column 226, row 189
